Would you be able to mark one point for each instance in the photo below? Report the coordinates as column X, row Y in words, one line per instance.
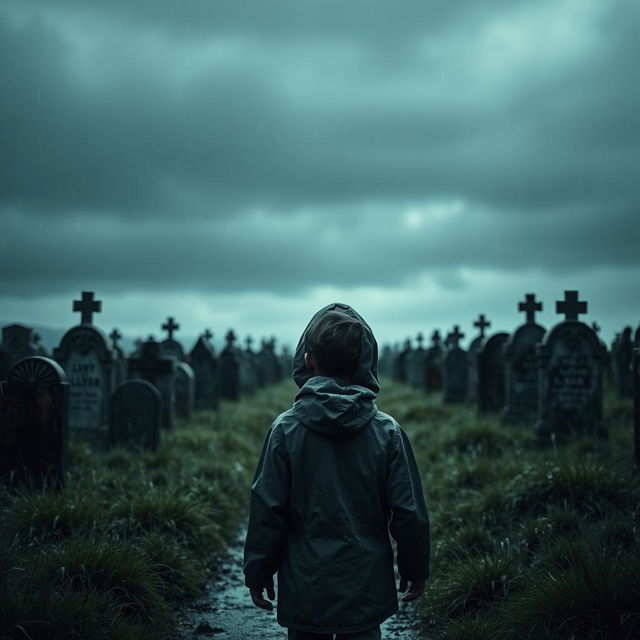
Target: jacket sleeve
column 268, row 512
column 409, row 523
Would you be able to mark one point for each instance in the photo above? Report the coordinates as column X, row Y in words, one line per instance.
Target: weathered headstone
column 18, row 342
column 492, row 373
column 416, row 365
column 571, row 358
column 230, row 369
column 34, row 404
column 205, row 368
column 456, row 369
column 482, row 324
column 87, row 359
column 170, row 346
column 136, row 414
column 384, row 362
column 433, row 363
column 401, row 363
column 184, row 381
column 120, row 360
column 521, row 356
column 159, row 370
column 259, row 368
column 622, row 354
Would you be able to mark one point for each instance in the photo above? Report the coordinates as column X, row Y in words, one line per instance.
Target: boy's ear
column 309, row 361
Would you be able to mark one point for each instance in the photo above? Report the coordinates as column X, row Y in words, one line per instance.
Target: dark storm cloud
column 230, row 145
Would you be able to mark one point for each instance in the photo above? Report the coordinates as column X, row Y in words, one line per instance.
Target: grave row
column 92, row 388
column 552, row 378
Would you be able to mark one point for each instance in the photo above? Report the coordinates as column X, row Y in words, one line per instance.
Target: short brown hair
column 334, row 341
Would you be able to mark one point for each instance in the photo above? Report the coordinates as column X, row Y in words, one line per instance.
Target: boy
column 335, row 477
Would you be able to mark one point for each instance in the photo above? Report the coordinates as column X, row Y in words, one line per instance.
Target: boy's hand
column 412, row 590
column 259, row 601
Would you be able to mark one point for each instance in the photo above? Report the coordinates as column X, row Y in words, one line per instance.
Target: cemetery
column 125, row 476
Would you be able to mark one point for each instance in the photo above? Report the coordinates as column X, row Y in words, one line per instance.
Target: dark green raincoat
column 335, row 477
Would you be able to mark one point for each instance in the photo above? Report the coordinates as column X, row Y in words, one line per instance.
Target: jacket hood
column 333, row 406
column 366, row 372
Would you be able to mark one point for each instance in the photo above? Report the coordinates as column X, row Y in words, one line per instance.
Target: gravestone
column 482, row 324
column 521, row 356
column 87, row 359
column 259, row 367
column 636, row 409
column 433, row 363
column 456, row 369
column 416, row 365
column 622, row 354
column 169, row 346
column 491, row 373
column 120, row 360
column 384, row 362
column 136, row 414
column 18, row 342
column 205, row 368
column 34, row 404
column 270, row 362
column 571, row 359
column 230, row 369
column 184, row 381
column 159, row 370
column 401, row 363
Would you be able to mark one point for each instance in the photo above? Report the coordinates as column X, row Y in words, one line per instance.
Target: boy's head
column 332, row 345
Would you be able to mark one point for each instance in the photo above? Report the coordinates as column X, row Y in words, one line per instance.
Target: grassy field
column 526, row 543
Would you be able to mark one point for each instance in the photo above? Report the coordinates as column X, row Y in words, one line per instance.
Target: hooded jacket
column 335, row 478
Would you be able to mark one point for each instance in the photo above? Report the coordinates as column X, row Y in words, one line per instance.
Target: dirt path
column 226, row 612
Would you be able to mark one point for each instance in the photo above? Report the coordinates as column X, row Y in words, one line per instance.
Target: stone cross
column 420, row 340
column 248, row 341
column 571, row 306
column 207, row 334
column 435, row 337
column 230, row 338
column 170, row 326
column 482, row 323
column 530, row 306
column 115, row 336
column 455, row 336
column 87, row 306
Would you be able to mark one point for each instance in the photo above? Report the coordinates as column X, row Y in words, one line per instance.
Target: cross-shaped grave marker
column 530, row 306
column 248, row 341
column 230, row 338
column 571, row 307
column 436, row 338
column 420, row 339
column 115, row 336
column 482, row 323
column 87, row 306
column 455, row 336
column 207, row 335
column 170, row 326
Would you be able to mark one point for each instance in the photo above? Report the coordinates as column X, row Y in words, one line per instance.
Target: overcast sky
column 243, row 163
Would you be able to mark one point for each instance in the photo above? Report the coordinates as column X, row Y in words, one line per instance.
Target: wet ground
column 226, row 612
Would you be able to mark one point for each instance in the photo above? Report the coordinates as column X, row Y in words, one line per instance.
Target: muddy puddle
column 226, row 611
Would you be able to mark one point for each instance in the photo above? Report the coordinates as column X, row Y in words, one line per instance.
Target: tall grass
column 543, row 545
column 134, row 533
